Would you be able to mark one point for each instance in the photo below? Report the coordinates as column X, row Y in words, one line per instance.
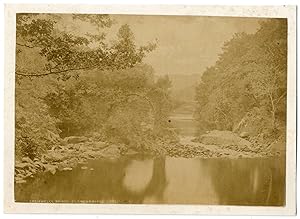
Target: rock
column 50, row 168
column 63, row 142
column 56, row 147
column 72, row 162
column 43, row 160
column 95, row 136
column 20, row 181
column 92, row 154
column 91, row 168
column 18, row 170
column 28, row 174
column 131, row 152
column 83, row 168
column 38, row 164
column 82, row 160
column 27, row 160
column 112, row 151
column 244, row 135
column 21, row 165
column 67, row 168
column 54, row 156
column 75, row 139
column 18, row 178
column 223, row 138
column 100, row 144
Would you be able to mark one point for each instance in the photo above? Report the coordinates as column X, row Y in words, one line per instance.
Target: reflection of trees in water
column 103, row 184
column 154, row 189
column 248, row 181
column 158, row 182
column 236, row 182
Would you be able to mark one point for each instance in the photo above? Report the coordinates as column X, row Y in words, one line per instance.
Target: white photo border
column 10, row 206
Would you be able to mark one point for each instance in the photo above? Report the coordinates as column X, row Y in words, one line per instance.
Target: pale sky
column 186, row 44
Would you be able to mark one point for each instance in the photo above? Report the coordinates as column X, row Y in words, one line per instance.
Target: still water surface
column 163, row 180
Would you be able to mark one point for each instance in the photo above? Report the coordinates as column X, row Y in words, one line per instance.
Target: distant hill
column 184, row 85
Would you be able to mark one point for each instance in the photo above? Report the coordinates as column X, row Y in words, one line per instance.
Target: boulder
column 95, row 136
column 223, row 138
column 131, row 152
column 244, row 135
column 21, row 165
column 100, row 144
column 27, row 160
column 75, row 139
column 112, row 151
column 20, row 181
column 50, row 168
column 93, row 154
column 54, row 156
column 57, row 148
column 63, row 142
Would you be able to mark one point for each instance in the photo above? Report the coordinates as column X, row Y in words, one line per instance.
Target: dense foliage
column 73, row 83
column 246, row 89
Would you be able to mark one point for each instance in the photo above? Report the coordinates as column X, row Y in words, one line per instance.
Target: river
column 163, row 180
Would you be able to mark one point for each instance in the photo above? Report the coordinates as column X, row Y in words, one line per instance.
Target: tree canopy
column 246, row 88
column 74, row 83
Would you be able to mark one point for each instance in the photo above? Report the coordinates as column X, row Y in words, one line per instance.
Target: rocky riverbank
column 225, row 144
column 64, row 157
column 78, row 150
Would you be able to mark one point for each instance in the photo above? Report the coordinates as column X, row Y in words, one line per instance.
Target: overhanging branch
column 25, row 74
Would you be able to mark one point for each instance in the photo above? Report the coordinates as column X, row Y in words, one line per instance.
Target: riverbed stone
column 75, row 139
column 21, row 165
column 27, row 160
column 130, row 151
column 223, row 138
column 21, row 181
column 50, row 168
column 112, row 151
column 54, row 156
column 100, row 144
column 244, row 134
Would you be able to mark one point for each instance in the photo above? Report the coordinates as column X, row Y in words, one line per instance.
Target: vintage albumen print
column 150, row 109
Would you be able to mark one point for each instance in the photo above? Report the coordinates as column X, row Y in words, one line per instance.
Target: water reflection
column 164, row 180
column 189, row 182
column 147, row 179
column 138, row 173
column 248, row 181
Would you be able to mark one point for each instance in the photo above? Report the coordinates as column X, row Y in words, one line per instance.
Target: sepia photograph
column 113, row 108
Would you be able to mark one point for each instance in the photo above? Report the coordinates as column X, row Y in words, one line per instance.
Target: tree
column 66, row 52
column 54, row 95
column 246, row 88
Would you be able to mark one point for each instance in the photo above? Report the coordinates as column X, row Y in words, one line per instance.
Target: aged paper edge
column 10, row 206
